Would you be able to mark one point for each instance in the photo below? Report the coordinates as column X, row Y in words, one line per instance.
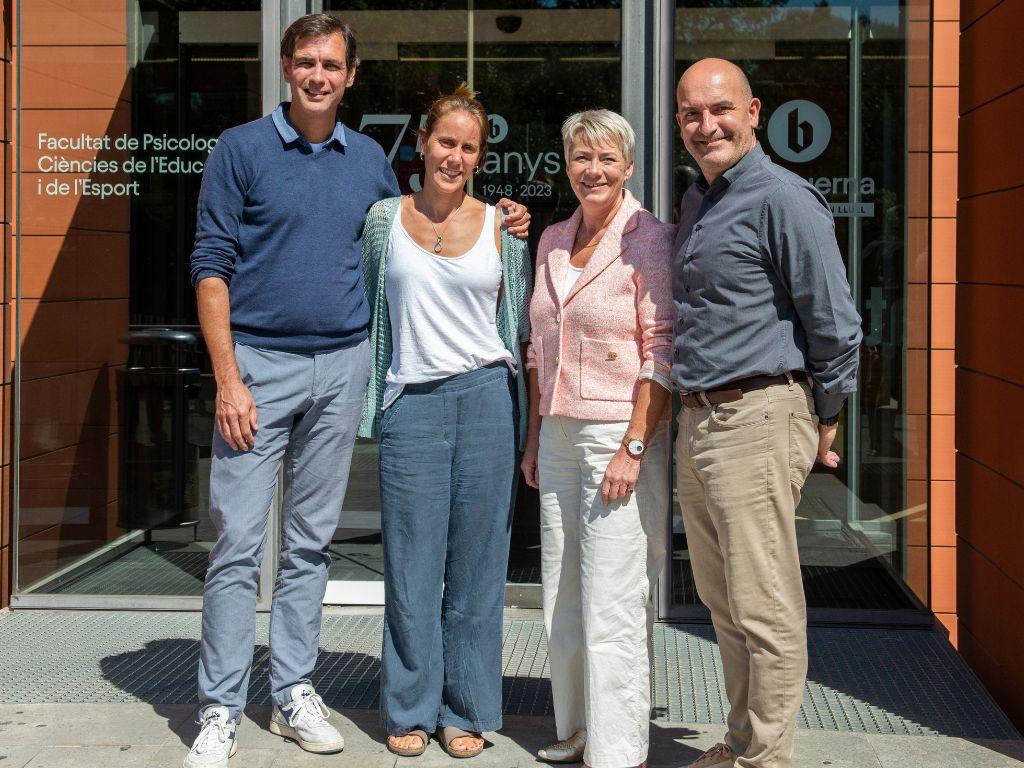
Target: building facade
column 111, row 107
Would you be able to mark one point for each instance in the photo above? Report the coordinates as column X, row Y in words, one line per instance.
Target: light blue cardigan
column 513, row 319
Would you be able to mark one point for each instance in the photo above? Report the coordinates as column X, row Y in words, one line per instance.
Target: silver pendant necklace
column 438, row 244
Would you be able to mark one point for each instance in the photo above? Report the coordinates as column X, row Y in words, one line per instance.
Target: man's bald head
column 717, row 115
column 719, row 70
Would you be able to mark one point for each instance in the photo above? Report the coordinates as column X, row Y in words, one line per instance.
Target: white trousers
column 599, row 564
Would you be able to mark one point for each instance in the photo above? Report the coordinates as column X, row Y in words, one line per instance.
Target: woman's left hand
column 517, row 218
column 620, row 477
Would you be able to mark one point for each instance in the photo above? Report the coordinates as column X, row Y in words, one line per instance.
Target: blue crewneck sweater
column 282, row 224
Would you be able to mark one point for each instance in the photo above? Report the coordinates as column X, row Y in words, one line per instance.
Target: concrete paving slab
column 125, row 756
column 16, row 757
column 172, row 757
column 77, row 725
column 296, row 758
column 835, row 749
column 946, row 752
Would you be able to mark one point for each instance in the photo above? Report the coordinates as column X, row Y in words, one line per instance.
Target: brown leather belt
column 734, row 390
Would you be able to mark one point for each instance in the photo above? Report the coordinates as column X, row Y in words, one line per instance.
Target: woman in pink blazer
column 599, row 358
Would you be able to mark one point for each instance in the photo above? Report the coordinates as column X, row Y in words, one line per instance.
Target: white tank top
column 442, row 310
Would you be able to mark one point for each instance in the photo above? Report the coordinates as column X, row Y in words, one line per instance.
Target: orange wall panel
column 945, row 53
column 981, row 131
column 944, row 184
column 917, row 250
column 918, row 109
column 943, row 316
column 68, row 336
column 57, row 410
column 942, row 451
column 70, row 487
column 990, row 233
column 942, row 511
column 991, row 610
column 917, row 571
column 981, row 311
column 944, row 250
column 992, row 46
column 945, row 115
column 5, row 577
column 917, row 381
column 990, row 515
column 74, row 77
column 918, row 184
column 66, row 22
column 44, row 214
column 80, row 265
column 917, row 513
column 972, row 10
column 5, row 514
column 943, row 578
column 990, row 419
column 943, row 381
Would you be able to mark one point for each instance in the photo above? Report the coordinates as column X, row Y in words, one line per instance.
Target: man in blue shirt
column 767, row 343
column 282, row 307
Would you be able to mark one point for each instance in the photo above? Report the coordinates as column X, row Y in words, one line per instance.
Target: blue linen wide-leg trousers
column 447, row 461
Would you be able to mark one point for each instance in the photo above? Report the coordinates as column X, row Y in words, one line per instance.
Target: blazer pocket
column 608, row 370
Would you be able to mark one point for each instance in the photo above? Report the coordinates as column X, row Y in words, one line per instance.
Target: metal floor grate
column 863, row 586
column 863, row 680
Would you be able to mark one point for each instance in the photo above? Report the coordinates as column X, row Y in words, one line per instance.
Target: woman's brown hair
column 462, row 98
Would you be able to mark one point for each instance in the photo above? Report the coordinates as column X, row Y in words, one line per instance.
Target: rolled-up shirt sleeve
column 218, row 214
column 799, row 236
column 655, row 308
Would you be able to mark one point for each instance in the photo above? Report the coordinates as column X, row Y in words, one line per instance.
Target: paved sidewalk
column 137, row 735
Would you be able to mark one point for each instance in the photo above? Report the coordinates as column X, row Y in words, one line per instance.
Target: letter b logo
column 799, row 131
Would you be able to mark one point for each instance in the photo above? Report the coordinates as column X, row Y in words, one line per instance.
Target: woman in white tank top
column 448, row 293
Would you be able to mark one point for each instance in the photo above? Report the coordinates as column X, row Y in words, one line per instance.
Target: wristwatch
column 635, row 447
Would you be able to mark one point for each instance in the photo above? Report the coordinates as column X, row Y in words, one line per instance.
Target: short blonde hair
column 599, row 126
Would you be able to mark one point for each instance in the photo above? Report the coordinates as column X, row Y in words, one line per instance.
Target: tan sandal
column 446, row 734
column 409, row 751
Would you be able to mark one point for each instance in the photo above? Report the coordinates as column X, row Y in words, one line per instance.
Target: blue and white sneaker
column 216, row 740
column 304, row 721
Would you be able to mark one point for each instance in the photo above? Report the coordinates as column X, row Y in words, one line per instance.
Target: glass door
column 534, row 62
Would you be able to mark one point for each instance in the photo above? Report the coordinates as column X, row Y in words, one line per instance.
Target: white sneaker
column 304, row 721
column 720, row 754
column 215, row 742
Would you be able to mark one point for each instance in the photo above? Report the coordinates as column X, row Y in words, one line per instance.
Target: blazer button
column 556, row 359
column 558, row 317
column 612, row 356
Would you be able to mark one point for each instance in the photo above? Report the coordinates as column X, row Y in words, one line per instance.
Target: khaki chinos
column 740, row 467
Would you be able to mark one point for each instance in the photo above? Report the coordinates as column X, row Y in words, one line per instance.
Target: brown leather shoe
column 720, row 754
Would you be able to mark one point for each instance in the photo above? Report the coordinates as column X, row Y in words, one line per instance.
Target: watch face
column 635, row 447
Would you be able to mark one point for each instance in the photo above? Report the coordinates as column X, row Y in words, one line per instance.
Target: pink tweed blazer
column 617, row 323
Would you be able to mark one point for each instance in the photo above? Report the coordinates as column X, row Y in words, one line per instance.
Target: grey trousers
column 308, row 408
column 739, row 471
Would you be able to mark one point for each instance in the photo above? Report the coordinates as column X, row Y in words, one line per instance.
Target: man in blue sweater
column 281, row 302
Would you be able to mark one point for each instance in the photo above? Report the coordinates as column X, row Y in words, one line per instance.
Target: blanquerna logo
column 799, row 131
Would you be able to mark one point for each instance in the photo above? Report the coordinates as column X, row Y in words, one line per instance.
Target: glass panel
column 116, row 386
column 833, row 80
column 533, row 62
